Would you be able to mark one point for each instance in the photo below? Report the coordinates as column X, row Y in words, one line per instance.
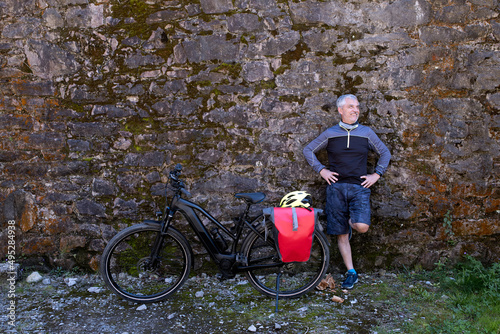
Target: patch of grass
column 467, row 300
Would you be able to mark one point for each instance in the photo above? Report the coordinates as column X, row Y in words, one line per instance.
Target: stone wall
column 100, row 99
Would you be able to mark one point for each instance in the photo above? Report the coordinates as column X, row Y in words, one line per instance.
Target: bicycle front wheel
column 296, row 278
column 129, row 271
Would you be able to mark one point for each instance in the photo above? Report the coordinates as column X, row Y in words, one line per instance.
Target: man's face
column 349, row 111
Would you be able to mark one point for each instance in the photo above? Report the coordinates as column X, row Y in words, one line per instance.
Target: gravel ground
column 82, row 304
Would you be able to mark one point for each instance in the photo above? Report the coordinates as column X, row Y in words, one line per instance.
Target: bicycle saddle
column 252, row 198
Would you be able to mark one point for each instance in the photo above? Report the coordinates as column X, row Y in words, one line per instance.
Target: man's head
column 348, row 107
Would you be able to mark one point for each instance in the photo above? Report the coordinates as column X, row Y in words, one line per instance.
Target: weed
column 471, row 303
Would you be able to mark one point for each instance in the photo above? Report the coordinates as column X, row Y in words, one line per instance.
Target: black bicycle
column 148, row 262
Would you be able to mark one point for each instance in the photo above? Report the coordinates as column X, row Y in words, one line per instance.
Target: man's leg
column 345, row 250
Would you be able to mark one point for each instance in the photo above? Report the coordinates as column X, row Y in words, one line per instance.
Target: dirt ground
column 377, row 304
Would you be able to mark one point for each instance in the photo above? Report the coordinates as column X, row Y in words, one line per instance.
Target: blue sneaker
column 351, row 279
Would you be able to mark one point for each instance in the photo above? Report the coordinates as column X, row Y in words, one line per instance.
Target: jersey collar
column 348, row 126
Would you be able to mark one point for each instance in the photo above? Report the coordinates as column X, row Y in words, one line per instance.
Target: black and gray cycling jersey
column 347, row 147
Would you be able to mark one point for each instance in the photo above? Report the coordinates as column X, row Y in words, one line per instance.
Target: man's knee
column 360, row 227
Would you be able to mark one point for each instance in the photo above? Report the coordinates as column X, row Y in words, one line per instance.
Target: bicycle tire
column 125, row 260
column 297, row 278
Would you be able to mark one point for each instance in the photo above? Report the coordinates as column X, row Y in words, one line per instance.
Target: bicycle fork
column 158, row 243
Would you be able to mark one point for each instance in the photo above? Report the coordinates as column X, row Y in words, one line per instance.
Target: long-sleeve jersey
column 347, row 147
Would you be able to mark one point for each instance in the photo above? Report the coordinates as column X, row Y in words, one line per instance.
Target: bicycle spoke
column 130, row 271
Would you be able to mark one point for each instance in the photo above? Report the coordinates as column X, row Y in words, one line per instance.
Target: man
column 348, row 190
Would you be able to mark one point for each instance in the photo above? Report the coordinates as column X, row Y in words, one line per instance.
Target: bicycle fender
column 151, row 222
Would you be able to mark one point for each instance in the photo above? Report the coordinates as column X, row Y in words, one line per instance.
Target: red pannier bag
column 293, row 232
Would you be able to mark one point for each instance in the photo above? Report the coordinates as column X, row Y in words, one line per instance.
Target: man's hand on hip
column 370, row 180
column 330, row 177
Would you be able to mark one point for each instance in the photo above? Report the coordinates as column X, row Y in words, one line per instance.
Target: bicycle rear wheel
column 297, row 278
column 128, row 270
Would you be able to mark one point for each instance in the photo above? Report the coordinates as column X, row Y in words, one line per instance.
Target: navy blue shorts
column 346, row 201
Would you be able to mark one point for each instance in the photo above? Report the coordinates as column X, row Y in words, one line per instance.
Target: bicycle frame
column 189, row 210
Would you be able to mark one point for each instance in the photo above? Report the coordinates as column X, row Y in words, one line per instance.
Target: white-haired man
column 348, row 191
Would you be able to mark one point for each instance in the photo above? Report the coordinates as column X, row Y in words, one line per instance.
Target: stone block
column 16, row 122
column 26, row 169
column 257, row 71
column 90, row 208
column 485, row 3
column 69, row 168
column 479, row 227
column 241, row 23
column 52, row 18
column 274, row 46
column 441, row 35
column 19, row 7
column 82, row 94
column 455, row 14
column 321, row 40
column 153, row 177
column 90, row 230
column 129, row 183
column 48, row 60
column 488, row 78
column 123, row 207
column 102, row 188
column 37, row 245
column 163, row 107
column 494, row 100
column 186, row 107
column 70, row 242
column 380, row 42
column 175, row 87
column 22, row 29
column 216, row 6
column 166, row 16
column 214, row 47
column 76, row 145
column 97, row 245
column 496, row 30
column 44, row 141
column 21, row 207
column 150, row 159
column 402, row 13
column 463, row 108
column 92, row 129
column 112, row 111
column 44, row 88
column 139, row 60
column 91, row 16
column 330, row 13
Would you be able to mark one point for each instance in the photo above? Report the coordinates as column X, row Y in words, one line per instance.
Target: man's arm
column 310, row 151
column 384, row 154
column 384, row 157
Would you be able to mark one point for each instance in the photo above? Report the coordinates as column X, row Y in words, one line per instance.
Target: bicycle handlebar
column 176, row 182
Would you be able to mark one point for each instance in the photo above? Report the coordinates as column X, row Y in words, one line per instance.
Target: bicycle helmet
column 296, row 199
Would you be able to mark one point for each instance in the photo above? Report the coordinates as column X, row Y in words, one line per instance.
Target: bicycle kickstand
column 277, row 290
